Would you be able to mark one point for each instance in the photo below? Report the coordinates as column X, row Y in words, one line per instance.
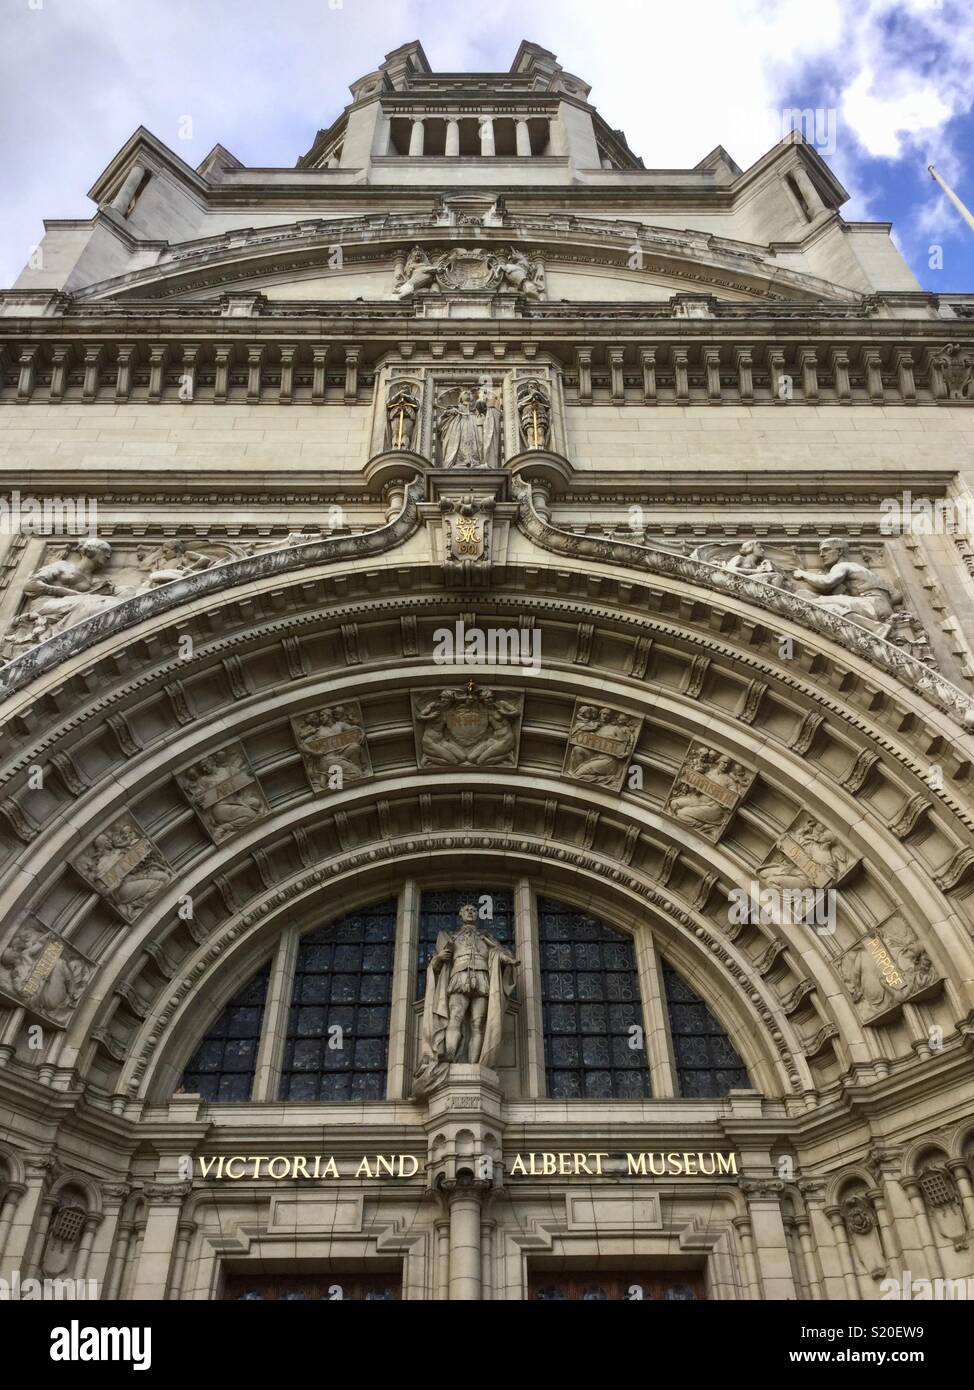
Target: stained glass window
column 338, row 1027
column 593, row 1026
column 222, row 1067
column 707, row 1064
column 438, row 912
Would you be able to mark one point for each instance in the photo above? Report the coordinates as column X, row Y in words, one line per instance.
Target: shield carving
column 467, row 724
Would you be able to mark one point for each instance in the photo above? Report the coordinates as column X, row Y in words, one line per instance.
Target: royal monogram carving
column 224, row 793
column 466, row 526
column 708, row 790
column 124, row 867
column 469, row 727
column 600, row 745
column 334, row 746
column 41, row 972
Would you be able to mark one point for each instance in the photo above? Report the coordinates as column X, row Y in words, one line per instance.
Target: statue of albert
column 468, row 983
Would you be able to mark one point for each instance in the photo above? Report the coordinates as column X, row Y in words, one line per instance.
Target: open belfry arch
column 484, row 519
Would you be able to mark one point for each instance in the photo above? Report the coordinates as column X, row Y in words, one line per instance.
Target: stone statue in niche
column 468, row 983
column 708, row 789
column 43, row 973
column 600, row 745
column 808, row 856
column 534, row 414
column 469, row 427
column 885, row 970
column 467, row 728
column 863, row 1231
column 333, row 745
column 402, row 413
column 124, row 867
column 224, row 793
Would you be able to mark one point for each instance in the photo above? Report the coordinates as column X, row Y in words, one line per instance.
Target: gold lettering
column 256, row 1163
column 518, row 1166
column 581, row 1165
column 598, row 1162
column 565, row 1165
column 550, row 1165
column 708, row 1172
column 727, row 1163
column 364, row 1170
column 205, row 1165
column 385, row 1163
column 285, row 1172
column 301, row 1168
column 636, row 1165
column 657, row 1166
column 675, row 1165
column 331, row 1169
column 234, row 1177
column 408, row 1158
column 687, row 1160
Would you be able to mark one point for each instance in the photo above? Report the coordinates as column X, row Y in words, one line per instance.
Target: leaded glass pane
column 438, row 912
column 338, row 1028
column 222, row 1067
column 590, row 1001
column 707, row 1064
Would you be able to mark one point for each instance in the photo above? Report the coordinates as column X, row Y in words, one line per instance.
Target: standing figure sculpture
column 468, row 983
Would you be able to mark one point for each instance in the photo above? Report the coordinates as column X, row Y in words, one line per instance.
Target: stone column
column 441, row 1237
column 742, row 1226
column 771, row 1245
column 186, row 1232
column 453, row 138
column 915, row 1193
column 487, row 1228
column 833, row 1277
column 165, row 1204
column 526, row 918
column 270, row 1049
column 417, row 137
column 488, row 147
column 803, row 1230
column 48, row 1205
column 886, row 1165
column 126, row 193
column 962, row 1177
column 841, row 1238
column 113, row 1197
column 465, row 1272
column 523, row 138
column 404, row 982
column 92, row 1222
column 8, row 1206
column 119, row 1262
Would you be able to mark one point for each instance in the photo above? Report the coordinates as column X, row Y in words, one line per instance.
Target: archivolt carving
column 838, row 627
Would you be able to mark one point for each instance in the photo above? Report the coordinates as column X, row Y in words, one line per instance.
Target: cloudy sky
column 892, row 81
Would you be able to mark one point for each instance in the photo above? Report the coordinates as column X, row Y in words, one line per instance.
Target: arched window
column 707, row 1065
column 593, row 1024
column 222, row 1067
column 338, row 1028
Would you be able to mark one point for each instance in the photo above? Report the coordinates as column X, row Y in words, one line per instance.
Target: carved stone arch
column 763, row 1037
column 68, row 1180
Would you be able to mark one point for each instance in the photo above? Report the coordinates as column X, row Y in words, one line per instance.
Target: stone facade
column 472, row 511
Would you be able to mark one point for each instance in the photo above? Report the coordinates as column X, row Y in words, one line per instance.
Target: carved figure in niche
column 862, row 1227
column 43, row 973
column 534, row 415
column 468, row 983
column 469, row 728
column 707, row 790
column 808, row 856
column 470, row 430
column 419, row 273
column 850, row 589
column 601, row 743
column 402, row 412
column 886, row 968
column 333, row 739
column 124, row 866
column 224, row 793
column 523, row 274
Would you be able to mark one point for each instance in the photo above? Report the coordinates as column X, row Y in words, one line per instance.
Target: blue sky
column 892, row 82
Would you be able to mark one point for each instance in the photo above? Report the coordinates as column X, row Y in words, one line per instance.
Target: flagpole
column 964, row 212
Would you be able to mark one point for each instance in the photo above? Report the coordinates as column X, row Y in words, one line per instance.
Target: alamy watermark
column 17, row 1290
column 47, row 516
column 492, row 646
column 907, row 515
